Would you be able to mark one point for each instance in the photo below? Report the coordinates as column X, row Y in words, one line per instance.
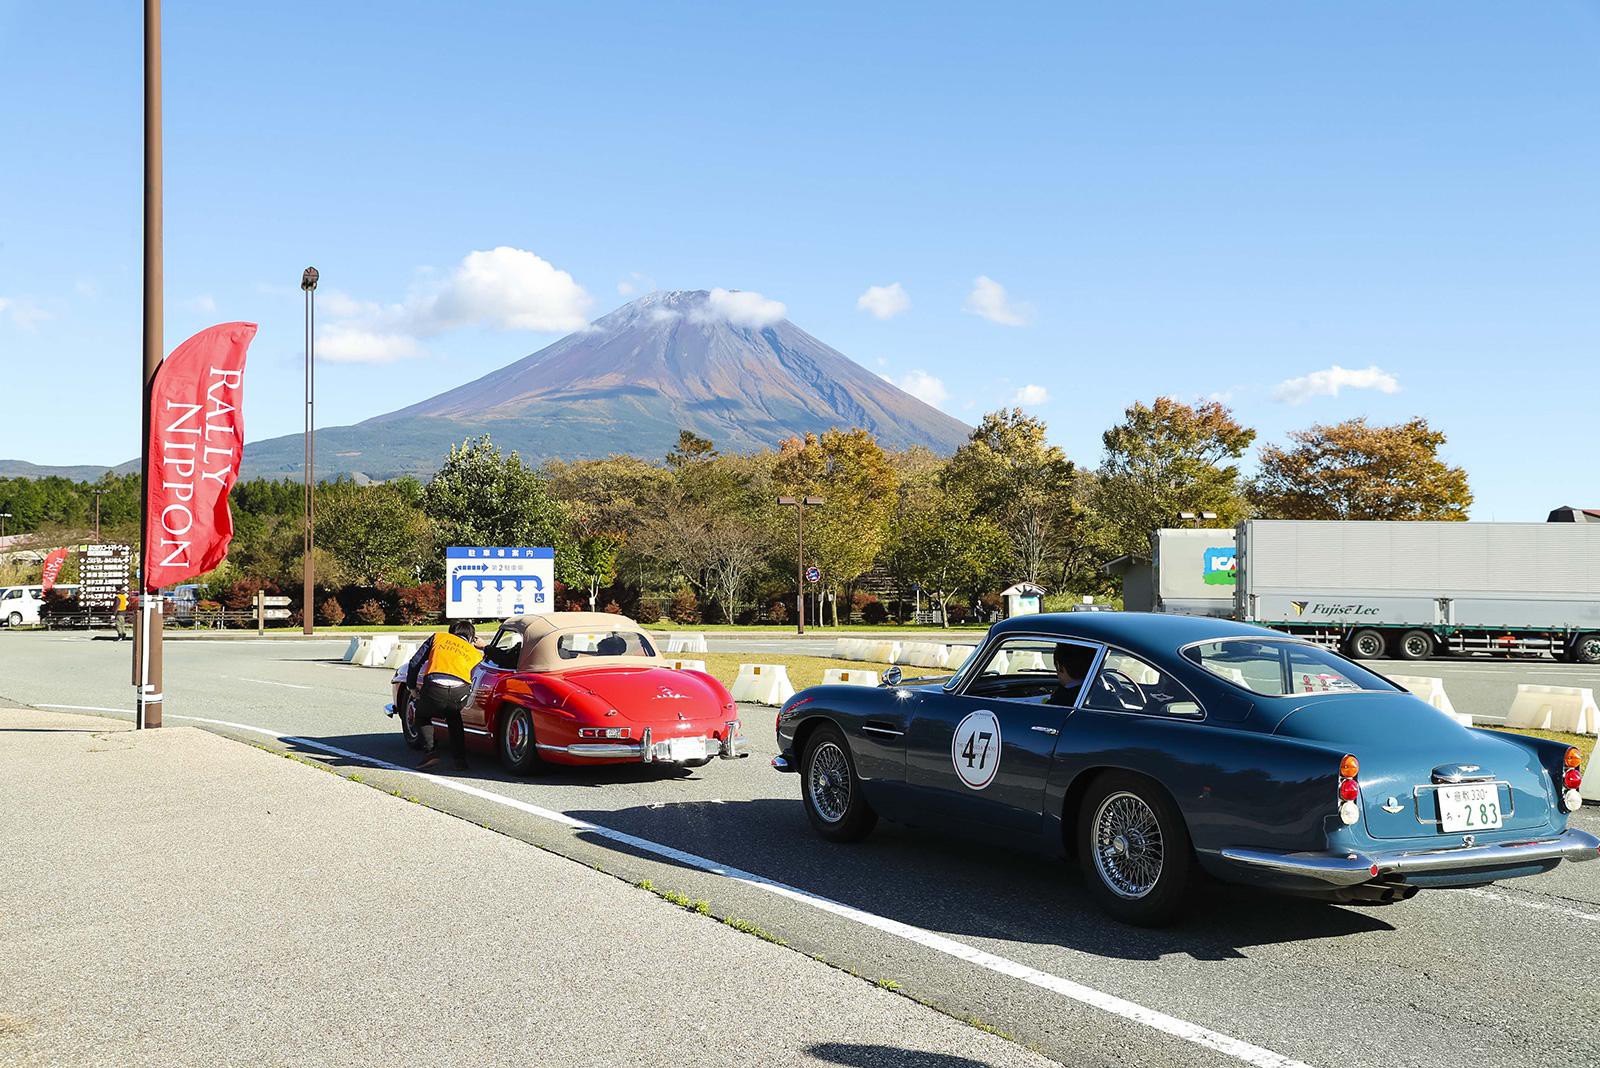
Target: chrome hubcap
column 829, row 782
column 1127, row 845
column 517, row 735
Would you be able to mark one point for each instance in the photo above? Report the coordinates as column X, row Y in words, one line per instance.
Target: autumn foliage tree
column 1166, row 458
column 1350, row 470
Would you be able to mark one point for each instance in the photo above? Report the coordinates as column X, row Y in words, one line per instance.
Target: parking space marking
column 269, row 682
column 1537, row 906
column 1129, row 1010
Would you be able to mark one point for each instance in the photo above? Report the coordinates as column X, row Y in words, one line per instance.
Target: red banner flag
column 53, row 564
column 196, row 443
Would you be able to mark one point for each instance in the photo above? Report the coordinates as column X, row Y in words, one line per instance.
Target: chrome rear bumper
column 732, row 746
column 1348, row 869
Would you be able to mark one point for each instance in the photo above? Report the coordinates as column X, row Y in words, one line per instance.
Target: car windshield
column 1280, row 668
column 603, row 643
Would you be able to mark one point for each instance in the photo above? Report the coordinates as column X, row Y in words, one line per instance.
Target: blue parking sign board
column 495, row 582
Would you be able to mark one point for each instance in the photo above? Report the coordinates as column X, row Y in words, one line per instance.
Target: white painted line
column 1537, row 906
column 1160, row 1021
column 269, row 682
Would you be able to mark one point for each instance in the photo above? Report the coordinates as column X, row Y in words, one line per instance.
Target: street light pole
column 800, row 504
column 147, row 650
column 308, row 282
column 3, row 517
column 97, row 494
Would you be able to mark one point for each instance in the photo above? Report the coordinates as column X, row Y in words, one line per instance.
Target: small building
column 1023, row 599
column 1138, row 581
column 1569, row 514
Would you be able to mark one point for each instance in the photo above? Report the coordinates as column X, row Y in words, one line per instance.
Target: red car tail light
column 606, row 733
column 1349, row 790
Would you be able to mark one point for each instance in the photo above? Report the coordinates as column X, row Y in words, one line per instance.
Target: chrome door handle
column 1046, row 730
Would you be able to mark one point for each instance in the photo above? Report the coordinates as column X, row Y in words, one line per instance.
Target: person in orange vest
column 440, row 674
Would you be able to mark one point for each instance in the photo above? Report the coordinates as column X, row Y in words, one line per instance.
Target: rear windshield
column 1277, row 669
column 603, row 643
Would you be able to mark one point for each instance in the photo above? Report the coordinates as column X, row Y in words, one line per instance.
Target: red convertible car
column 587, row 688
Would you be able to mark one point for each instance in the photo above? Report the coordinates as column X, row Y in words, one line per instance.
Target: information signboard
column 102, row 574
column 492, row 583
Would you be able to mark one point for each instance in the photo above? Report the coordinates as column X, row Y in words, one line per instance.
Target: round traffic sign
column 813, row 575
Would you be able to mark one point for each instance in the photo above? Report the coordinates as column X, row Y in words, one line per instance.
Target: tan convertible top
column 541, row 638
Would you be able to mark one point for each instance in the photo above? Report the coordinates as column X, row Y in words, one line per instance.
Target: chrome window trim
column 1286, row 639
column 1191, row 717
column 957, row 685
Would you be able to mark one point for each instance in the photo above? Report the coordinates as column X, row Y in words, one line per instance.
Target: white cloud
column 1328, row 383
column 988, row 299
column 884, row 302
column 509, row 289
column 348, row 343
column 741, row 308
column 635, row 283
column 925, row 387
column 1030, row 395
column 22, row 312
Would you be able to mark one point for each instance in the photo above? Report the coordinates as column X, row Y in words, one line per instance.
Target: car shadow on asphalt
column 964, row 887
column 865, row 1055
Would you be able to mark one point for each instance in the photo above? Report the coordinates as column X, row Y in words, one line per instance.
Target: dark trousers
column 443, row 696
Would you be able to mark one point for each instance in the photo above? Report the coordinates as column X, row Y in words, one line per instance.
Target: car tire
column 1585, row 649
column 831, row 789
column 1414, row 645
column 1135, row 850
column 14, row 619
column 515, row 740
column 407, row 715
column 1365, row 644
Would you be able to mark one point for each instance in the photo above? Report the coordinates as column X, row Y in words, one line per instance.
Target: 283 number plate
column 1475, row 807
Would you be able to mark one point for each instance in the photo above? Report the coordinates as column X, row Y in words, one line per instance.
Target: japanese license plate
column 685, row 749
column 1469, row 808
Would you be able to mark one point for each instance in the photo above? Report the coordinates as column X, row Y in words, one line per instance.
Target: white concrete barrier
column 353, row 649
column 1554, row 708
column 924, row 654
column 401, row 654
column 959, row 655
column 687, row 665
column 360, row 650
column 763, row 684
column 376, row 651
column 849, row 677
column 1026, row 660
column 1590, row 790
column 850, row 649
column 686, row 642
column 1431, row 690
column 882, row 652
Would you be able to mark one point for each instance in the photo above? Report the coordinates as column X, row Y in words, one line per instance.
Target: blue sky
column 1185, row 199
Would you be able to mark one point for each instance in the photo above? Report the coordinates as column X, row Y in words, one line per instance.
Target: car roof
column 534, row 627
column 1152, row 629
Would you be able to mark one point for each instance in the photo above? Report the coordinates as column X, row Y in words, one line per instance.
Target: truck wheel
column 1415, row 645
column 1585, row 649
column 1365, row 644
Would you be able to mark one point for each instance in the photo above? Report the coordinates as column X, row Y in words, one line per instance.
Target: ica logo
column 1220, row 567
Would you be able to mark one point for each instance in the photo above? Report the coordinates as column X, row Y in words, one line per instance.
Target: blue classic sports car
column 1148, row 745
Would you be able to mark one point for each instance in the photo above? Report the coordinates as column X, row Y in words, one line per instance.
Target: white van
column 19, row 605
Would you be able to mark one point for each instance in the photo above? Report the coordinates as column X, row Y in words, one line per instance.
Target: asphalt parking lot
column 1007, row 940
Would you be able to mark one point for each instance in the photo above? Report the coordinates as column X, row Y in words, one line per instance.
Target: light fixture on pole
column 1195, row 517
column 800, row 504
column 3, row 517
column 308, row 282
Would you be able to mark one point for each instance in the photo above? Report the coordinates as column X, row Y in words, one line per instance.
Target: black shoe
column 461, row 764
column 429, row 761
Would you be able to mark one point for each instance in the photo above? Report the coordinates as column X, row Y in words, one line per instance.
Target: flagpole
column 148, row 697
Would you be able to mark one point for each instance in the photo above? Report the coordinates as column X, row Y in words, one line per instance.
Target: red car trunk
column 653, row 696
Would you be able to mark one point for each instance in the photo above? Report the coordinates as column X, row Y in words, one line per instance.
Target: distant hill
column 80, row 473
column 627, row 384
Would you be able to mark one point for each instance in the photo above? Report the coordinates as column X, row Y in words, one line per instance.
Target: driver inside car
column 1072, row 663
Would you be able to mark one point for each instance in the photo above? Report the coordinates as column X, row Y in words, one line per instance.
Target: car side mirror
column 891, row 675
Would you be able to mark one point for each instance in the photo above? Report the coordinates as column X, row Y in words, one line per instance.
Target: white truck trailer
column 1194, row 570
column 1415, row 590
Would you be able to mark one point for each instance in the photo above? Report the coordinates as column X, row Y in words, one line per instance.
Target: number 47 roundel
column 975, row 749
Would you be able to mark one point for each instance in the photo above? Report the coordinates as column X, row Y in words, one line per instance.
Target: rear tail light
column 1349, row 790
column 1571, row 780
column 610, row 733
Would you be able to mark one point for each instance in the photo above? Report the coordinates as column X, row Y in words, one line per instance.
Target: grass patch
column 1584, row 742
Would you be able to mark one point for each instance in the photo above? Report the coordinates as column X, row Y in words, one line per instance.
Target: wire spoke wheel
column 1129, row 848
column 828, row 782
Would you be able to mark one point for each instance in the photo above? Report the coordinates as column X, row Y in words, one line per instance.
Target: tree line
column 698, row 535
